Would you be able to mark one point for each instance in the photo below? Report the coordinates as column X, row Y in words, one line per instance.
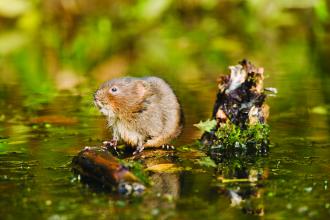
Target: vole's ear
column 142, row 88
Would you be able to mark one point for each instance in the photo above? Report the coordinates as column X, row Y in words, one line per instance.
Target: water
column 36, row 181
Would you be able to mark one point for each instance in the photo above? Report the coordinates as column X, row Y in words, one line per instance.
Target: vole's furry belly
column 128, row 135
column 139, row 136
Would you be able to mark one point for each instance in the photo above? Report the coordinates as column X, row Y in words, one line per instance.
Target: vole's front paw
column 168, row 147
column 110, row 145
column 139, row 149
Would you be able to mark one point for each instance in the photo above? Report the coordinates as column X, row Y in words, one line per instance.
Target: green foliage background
column 49, row 41
column 55, row 53
column 51, row 46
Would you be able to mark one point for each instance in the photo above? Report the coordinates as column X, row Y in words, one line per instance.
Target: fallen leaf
column 207, row 125
column 320, row 110
column 165, row 167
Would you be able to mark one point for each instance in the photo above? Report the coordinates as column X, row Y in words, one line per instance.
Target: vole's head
column 121, row 96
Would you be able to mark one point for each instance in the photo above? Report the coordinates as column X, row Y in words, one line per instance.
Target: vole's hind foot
column 111, row 146
column 139, row 149
column 168, row 147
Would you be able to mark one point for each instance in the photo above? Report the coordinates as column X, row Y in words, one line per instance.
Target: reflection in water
column 242, row 182
column 53, row 54
column 163, row 194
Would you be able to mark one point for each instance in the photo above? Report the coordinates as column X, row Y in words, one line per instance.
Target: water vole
column 143, row 112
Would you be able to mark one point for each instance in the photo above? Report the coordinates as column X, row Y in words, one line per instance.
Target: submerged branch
column 99, row 165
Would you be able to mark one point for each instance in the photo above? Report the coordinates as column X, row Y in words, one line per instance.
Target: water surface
column 50, row 77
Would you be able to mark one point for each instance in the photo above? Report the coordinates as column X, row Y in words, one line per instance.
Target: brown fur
column 143, row 112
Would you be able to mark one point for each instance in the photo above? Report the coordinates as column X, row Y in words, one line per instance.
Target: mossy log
column 241, row 96
column 239, row 127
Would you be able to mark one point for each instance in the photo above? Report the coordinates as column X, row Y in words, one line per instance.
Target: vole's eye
column 113, row 89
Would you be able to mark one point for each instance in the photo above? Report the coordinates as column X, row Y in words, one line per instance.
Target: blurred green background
column 50, row 46
column 60, row 44
column 55, row 53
